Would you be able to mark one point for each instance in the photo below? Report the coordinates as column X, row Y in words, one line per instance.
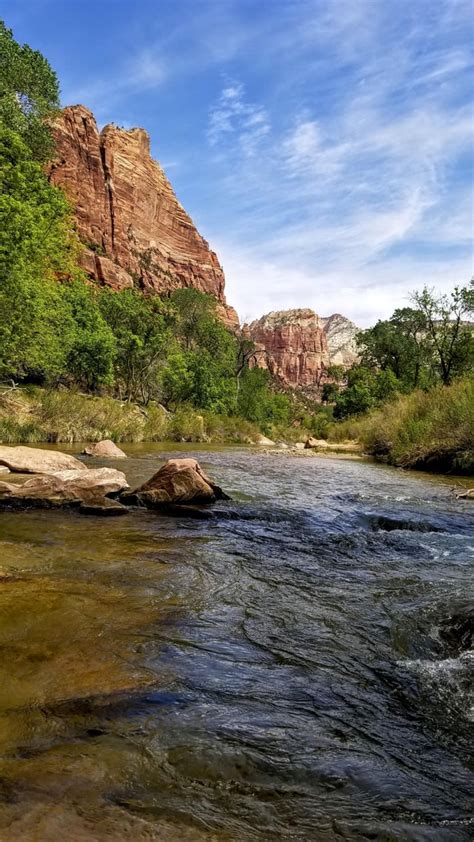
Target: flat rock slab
column 34, row 460
column 319, row 443
column 264, row 441
column 85, row 490
column 106, row 449
column 103, row 480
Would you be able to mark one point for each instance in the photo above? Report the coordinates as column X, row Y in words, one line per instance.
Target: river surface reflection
column 283, row 671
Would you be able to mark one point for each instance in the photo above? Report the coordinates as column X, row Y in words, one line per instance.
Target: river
column 286, row 670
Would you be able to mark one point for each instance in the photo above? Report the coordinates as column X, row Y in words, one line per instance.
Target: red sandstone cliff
column 292, row 345
column 128, row 216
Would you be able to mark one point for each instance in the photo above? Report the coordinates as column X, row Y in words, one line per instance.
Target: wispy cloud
column 357, row 184
column 235, row 120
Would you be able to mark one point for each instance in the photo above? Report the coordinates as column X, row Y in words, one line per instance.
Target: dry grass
column 433, row 429
column 37, row 415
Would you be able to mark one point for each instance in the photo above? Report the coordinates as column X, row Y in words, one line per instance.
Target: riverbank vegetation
column 32, row 414
column 410, row 397
column 432, row 429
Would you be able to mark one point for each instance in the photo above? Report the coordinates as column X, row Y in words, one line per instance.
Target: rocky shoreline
column 62, row 481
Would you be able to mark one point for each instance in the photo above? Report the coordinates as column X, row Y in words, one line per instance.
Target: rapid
column 298, row 666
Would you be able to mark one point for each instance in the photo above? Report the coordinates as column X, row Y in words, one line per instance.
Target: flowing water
column 298, row 667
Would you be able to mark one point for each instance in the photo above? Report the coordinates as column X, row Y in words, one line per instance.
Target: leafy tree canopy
column 29, row 94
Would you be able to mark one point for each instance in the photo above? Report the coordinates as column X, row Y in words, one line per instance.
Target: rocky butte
column 135, row 231
column 292, row 345
column 297, row 346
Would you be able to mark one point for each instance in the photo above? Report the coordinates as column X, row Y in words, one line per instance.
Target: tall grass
column 431, row 430
column 37, row 415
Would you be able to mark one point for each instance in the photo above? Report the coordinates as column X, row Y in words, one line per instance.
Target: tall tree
column 29, row 94
column 447, row 328
column 35, row 245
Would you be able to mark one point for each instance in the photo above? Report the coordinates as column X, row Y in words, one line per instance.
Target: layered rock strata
column 297, row 346
column 292, row 345
column 135, row 230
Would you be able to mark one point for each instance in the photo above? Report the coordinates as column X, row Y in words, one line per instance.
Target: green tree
column 36, row 246
column 447, row 329
column 193, row 310
column 336, row 373
column 258, row 403
column 398, row 344
column 359, row 395
column 29, row 94
column 330, row 392
column 208, row 368
column 142, row 336
column 92, row 344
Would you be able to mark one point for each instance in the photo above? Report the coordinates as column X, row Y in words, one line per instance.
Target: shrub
column 433, row 429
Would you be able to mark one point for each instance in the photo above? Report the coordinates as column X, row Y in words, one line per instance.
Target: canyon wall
column 135, row 231
column 292, row 345
column 297, row 346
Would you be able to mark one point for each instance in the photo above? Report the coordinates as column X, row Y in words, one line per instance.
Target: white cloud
column 257, row 285
column 235, row 120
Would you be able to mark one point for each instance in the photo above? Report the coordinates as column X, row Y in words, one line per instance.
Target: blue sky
column 323, row 147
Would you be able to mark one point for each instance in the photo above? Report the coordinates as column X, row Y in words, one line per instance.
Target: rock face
column 340, row 333
column 34, row 460
column 135, row 230
column 298, row 345
column 292, row 345
column 179, row 481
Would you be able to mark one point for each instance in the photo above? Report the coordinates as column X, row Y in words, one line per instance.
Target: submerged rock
column 457, row 632
column 103, row 506
column 34, row 460
column 178, row 481
column 106, row 449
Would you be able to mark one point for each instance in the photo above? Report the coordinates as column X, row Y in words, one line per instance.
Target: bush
column 433, row 429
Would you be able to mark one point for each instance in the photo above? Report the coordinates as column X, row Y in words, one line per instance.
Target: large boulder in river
column 179, row 481
column 34, row 460
column 86, row 490
column 106, row 449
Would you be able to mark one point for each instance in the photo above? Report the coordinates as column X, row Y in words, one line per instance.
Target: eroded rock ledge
column 135, row 230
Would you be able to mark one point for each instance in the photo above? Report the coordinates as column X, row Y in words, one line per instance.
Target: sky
column 324, row 148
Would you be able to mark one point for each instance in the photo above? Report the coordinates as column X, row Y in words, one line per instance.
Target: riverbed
column 283, row 671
